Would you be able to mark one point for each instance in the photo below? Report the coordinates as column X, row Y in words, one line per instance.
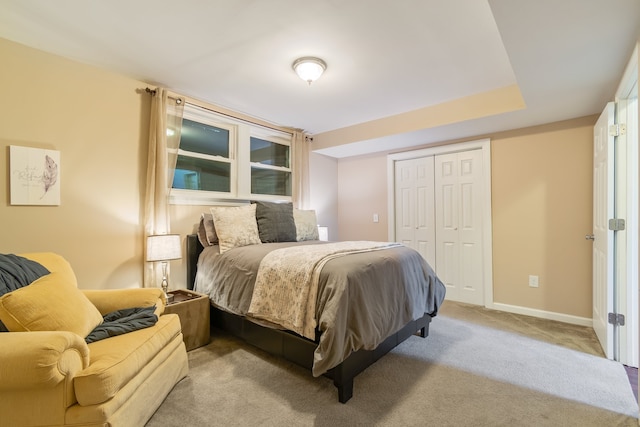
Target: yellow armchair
column 53, row 377
column 109, row 300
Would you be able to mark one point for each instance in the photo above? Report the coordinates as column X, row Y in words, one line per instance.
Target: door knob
column 590, row 237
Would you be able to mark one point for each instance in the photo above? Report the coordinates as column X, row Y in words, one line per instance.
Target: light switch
column 375, row 217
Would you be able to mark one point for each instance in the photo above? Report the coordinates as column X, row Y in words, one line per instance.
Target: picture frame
column 34, row 174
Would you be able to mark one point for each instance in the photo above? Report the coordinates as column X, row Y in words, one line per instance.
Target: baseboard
column 560, row 317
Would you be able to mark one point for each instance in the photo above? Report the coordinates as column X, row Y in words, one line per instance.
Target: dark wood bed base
column 295, row 348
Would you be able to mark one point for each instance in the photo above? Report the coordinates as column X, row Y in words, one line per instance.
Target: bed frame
column 295, row 348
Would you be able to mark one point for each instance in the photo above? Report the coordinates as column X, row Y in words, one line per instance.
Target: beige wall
column 541, row 203
column 323, row 183
column 542, row 209
column 362, row 192
column 470, row 107
column 98, row 122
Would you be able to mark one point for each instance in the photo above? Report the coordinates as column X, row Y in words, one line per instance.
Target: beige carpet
column 473, row 370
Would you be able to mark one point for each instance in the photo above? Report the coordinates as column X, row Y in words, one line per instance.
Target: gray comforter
column 362, row 298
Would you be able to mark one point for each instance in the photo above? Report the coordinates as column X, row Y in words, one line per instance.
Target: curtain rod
column 234, row 115
column 153, row 92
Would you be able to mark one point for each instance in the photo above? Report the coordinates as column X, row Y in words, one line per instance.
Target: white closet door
column 458, row 216
column 414, row 194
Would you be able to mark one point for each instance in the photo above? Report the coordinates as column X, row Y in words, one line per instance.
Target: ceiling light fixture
column 309, row 68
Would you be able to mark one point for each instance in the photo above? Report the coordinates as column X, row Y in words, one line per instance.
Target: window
column 270, row 167
column 224, row 158
column 203, row 158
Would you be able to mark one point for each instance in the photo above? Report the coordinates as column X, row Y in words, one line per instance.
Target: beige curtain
column 300, row 187
column 164, row 138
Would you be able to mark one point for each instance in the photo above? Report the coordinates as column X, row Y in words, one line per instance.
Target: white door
column 603, row 210
column 414, row 191
column 626, row 202
column 459, row 197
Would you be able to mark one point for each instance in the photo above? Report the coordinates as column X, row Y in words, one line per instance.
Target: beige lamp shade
column 163, row 247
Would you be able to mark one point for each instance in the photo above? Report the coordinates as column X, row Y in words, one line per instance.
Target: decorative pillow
column 306, row 224
column 275, row 222
column 17, row 271
column 203, row 233
column 49, row 304
column 206, row 230
column 235, row 226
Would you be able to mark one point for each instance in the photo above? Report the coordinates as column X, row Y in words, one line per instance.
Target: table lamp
column 164, row 248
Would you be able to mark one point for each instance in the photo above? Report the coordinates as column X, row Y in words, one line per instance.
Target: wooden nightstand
column 193, row 309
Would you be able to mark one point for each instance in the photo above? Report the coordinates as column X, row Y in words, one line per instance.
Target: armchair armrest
column 40, row 359
column 108, row 300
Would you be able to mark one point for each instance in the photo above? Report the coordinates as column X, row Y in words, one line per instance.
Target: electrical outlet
column 533, row 281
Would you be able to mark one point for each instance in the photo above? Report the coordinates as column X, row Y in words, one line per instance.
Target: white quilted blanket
column 286, row 285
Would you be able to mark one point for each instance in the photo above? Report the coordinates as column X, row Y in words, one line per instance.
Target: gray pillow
column 275, row 222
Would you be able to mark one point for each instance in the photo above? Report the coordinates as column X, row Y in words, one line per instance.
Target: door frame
column 629, row 247
column 487, row 235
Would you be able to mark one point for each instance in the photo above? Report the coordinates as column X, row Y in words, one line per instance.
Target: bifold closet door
column 458, row 216
column 414, row 195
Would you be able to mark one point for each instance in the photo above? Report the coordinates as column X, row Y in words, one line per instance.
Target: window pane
column 265, row 181
column 198, row 174
column 269, row 153
column 205, row 139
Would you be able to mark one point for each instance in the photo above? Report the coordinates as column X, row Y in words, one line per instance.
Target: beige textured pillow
column 235, row 226
column 306, row 224
column 50, row 303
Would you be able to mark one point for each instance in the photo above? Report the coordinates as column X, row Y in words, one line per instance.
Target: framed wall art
column 35, row 176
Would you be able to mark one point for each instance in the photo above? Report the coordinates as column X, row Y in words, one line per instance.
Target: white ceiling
column 385, row 58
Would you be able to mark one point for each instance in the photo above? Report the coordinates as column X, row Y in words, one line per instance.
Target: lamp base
column 165, row 287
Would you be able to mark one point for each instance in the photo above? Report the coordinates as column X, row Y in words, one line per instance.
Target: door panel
column 603, row 193
column 447, row 259
column 459, row 261
column 466, row 207
column 449, row 207
column 414, row 206
column 404, row 202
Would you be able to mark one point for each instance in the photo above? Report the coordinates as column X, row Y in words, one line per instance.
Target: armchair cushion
column 50, row 303
column 109, row 300
column 116, row 360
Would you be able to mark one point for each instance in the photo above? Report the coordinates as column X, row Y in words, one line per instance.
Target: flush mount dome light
column 309, row 68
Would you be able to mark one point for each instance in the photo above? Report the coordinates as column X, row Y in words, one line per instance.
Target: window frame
column 274, row 137
column 240, row 133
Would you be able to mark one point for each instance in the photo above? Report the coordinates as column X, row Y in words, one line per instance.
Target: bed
column 354, row 303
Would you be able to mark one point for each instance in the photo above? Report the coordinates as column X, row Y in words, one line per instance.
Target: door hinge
column 618, row 129
column 616, row 224
column 616, row 319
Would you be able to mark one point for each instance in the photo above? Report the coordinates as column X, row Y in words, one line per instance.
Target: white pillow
column 235, row 226
column 306, row 224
